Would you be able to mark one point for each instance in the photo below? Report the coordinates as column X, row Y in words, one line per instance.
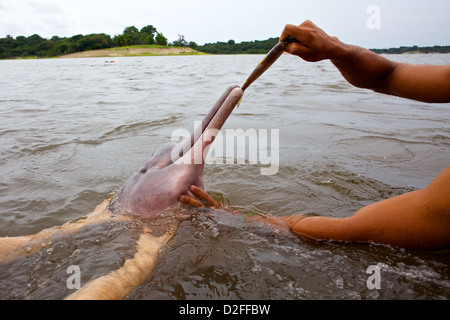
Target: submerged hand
column 315, row 44
column 201, row 195
column 275, row 221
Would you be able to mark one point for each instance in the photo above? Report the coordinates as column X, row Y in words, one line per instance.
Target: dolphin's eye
column 143, row 170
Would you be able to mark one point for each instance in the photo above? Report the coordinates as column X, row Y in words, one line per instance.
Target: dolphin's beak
column 203, row 136
column 167, row 175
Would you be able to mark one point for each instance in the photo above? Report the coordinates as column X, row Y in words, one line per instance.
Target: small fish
column 268, row 60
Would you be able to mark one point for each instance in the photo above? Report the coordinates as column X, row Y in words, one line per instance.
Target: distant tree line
column 132, row 36
column 414, row 49
column 245, row 47
column 262, row 47
column 37, row 46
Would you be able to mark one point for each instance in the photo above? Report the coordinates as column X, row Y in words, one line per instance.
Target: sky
column 367, row 23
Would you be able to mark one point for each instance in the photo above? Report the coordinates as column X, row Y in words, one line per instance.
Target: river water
column 72, row 131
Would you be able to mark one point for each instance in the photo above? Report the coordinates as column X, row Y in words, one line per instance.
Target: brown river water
column 72, row 131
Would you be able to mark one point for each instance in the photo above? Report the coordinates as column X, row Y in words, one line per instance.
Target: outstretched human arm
column 416, row 220
column 118, row 283
column 14, row 247
column 366, row 69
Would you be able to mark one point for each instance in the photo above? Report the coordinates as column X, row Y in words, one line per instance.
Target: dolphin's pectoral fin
column 117, row 284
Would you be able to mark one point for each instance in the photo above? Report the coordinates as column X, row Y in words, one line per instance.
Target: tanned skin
column 366, row 69
column 415, row 220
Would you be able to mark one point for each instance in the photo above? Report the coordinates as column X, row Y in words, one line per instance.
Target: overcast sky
column 372, row 24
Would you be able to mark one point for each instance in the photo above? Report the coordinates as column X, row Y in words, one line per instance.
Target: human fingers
column 291, row 30
column 313, row 44
column 201, row 194
column 190, row 201
column 301, row 34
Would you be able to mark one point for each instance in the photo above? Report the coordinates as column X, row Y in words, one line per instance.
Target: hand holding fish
column 312, row 44
column 364, row 68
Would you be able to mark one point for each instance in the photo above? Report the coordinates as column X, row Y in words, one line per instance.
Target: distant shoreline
column 133, row 51
column 155, row 50
column 142, row 51
column 147, row 42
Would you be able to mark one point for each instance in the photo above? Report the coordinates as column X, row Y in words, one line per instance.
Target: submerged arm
column 15, row 247
column 414, row 220
column 117, row 284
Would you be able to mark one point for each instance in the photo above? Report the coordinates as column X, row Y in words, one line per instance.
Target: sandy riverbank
column 133, row 52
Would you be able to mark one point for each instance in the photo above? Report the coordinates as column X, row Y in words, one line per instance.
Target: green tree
column 123, row 40
column 94, row 42
column 35, row 46
column 149, row 30
column 147, row 35
column 64, row 47
column 181, row 42
column 160, row 39
column 146, row 39
column 133, row 32
column 230, row 47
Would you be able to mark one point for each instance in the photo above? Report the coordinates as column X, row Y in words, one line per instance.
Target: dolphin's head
column 174, row 167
